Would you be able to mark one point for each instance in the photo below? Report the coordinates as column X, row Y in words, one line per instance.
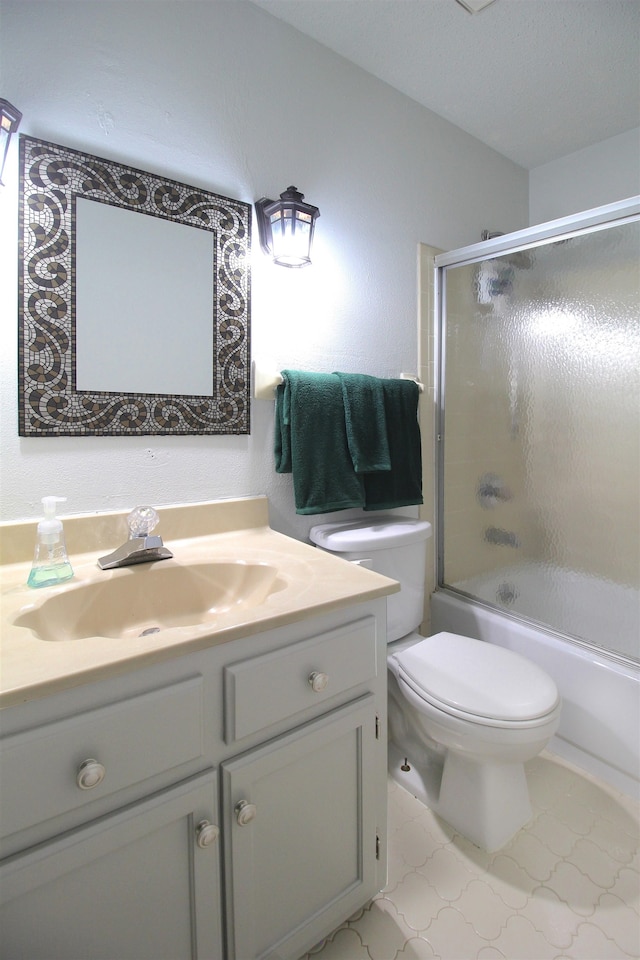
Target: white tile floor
column 566, row 886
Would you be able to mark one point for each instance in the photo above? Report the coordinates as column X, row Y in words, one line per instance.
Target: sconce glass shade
column 10, row 118
column 286, row 226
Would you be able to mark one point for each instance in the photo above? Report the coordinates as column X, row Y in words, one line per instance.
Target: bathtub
column 600, row 723
column 599, row 611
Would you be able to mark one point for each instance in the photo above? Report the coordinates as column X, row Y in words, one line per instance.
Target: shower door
column 539, row 422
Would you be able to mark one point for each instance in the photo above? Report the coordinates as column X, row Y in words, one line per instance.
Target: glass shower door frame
column 590, row 221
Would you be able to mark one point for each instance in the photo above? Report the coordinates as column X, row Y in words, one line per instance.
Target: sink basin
column 145, row 599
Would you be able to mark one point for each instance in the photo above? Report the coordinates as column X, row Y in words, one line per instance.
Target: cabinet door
column 135, row 885
column 304, row 860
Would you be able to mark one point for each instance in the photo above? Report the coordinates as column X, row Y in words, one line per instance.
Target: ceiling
column 534, row 79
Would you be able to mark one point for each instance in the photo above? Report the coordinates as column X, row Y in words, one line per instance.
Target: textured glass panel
column 542, row 434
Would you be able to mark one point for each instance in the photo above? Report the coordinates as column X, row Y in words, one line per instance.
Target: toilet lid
column 480, row 679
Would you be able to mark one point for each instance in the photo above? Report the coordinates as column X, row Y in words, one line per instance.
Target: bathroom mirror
column 134, row 298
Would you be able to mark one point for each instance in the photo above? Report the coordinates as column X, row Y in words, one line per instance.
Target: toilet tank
column 391, row 545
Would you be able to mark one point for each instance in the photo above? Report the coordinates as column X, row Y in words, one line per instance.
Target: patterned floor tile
column 383, row 931
column 548, row 781
column 609, row 805
column 567, row 887
column 620, row 922
column 578, row 818
column 445, row 871
column 483, row 909
column 397, row 867
column 521, row 941
column 417, row 901
column 592, row 944
column 553, row 833
column 627, row 887
column 402, row 806
column 477, row 860
column 452, row 937
column 414, row 843
column 417, row 949
column 345, row 945
column 552, row 917
column 510, row 881
column 440, row 832
column 616, row 838
column 575, row 888
column 634, row 863
column 533, row 854
column 595, row 862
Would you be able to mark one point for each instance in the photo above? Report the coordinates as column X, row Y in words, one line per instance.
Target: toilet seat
column 419, row 698
column 477, row 681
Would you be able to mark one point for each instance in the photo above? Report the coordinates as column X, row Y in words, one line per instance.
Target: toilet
column 464, row 715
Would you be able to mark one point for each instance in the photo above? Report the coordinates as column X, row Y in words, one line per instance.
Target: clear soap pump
column 50, row 561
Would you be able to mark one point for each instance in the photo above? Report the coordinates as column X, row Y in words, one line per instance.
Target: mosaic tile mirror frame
column 52, row 180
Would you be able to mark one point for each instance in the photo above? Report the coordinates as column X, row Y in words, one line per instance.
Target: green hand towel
column 365, row 421
column 402, row 485
column 311, row 443
column 282, row 442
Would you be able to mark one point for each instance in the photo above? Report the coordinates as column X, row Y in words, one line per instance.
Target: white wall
column 223, row 96
column 603, row 173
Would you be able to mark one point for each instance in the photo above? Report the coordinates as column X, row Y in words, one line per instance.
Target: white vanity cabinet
column 228, row 804
column 140, row 884
column 302, row 839
column 103, row 871
column 302, row 845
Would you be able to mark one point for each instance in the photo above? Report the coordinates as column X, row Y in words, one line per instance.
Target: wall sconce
column 10, row 119
column 285, row 227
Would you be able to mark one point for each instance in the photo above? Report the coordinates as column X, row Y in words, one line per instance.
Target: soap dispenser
column 50, row 561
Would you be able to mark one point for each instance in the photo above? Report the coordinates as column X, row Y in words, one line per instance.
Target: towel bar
column 416, row 380
column 265, row 382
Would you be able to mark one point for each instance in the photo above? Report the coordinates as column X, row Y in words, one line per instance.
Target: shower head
column 520, row 259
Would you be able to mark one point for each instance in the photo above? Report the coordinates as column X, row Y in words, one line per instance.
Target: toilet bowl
column 488, row 710
column 464, row 715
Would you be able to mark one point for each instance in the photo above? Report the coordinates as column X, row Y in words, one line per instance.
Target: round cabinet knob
column 318, row 681
column 245, row 812
column 206, row 833
column 90, row 774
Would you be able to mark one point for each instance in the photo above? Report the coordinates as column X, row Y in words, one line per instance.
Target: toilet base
column 421, row 780
column 486, row 802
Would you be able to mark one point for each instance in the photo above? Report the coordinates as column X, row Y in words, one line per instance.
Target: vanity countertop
column 309, row 582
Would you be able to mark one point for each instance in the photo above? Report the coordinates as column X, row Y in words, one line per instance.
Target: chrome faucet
column 140, row 547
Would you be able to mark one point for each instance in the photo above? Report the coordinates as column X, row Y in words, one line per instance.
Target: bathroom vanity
column 211, row 790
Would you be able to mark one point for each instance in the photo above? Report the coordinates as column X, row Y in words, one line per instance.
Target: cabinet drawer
column 268, row 689
column 132, row 740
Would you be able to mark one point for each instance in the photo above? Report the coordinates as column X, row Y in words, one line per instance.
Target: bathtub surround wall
column 198, row 92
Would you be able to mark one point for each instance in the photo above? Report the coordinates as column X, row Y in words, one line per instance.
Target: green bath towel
column 311, row 443
column 402, row 485
column 365, row 421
